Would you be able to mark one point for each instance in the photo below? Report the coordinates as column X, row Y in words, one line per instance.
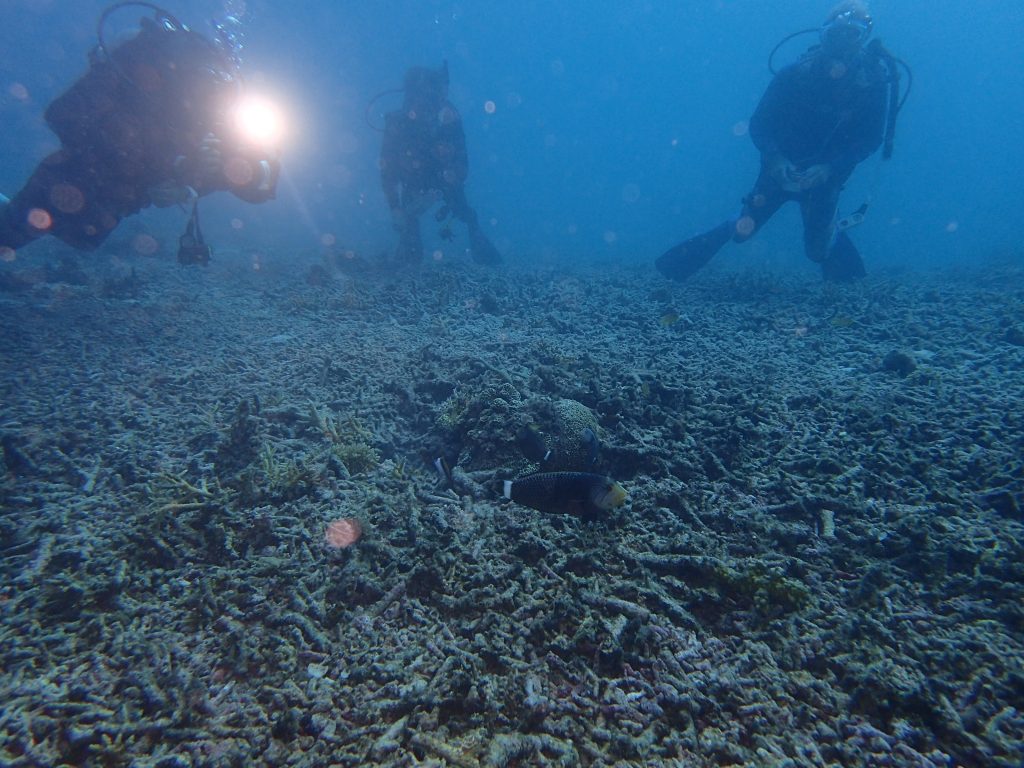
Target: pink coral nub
column 343, row 533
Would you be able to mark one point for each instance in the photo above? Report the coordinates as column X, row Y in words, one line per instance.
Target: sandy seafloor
column 820, row 563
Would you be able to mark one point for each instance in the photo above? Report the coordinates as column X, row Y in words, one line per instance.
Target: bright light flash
column 260, row 121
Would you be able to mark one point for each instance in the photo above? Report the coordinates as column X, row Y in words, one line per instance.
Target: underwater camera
column 192, row 248
column 191, row 251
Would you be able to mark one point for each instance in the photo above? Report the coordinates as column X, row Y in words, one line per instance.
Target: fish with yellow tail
column 577, row 493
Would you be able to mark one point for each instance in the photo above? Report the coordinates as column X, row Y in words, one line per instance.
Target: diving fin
column 688, row 257
column 482, row 249
column 843, row 264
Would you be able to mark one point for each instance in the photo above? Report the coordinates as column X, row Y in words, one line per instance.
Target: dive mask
column 846, row 31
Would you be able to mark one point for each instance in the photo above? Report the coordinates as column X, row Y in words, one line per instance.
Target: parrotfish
column 578, row 493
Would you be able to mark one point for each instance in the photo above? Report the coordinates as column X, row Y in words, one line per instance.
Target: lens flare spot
column 67, row 198
column 327, row 239
column 952, row 226
column 40, row 219
column 438, row 255
column 740, row 128
column 145, row 245
column 447, row 116
column 630, row 193
column 18, row 92
column 610, row 237
column 745, row 226
column 7, row 254
column 237, row 224
column 343, row 533
column 490, row 107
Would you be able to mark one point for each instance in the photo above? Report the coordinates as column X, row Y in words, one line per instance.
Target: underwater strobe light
column 260, row 121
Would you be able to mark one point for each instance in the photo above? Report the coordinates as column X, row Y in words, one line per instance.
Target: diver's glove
column 205, row 167
column 784, row 172
column 814, row 176
column 170, row 192
column 210, row 161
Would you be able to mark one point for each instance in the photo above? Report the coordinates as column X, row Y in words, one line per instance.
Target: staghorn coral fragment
column 536, row 749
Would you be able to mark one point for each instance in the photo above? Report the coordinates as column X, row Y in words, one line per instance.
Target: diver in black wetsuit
column 150, row 123
column 817, row 120
column 423, row 161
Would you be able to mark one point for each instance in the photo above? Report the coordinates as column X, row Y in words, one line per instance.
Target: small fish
column 577, row 493
column 669, row 318
column 532, row 444
column 444, row 470
column 593, row 445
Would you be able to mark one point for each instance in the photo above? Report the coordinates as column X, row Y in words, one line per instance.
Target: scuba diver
column 817, row 120
column 423, row 161
column 150, row 123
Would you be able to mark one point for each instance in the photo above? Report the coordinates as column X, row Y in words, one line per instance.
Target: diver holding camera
column 152, row 122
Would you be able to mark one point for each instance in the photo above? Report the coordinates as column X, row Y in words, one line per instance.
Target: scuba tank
column 893, row 65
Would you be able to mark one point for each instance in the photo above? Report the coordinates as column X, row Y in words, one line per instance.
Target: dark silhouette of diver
column 423, row 161
column 817, row 120
column 150, row 123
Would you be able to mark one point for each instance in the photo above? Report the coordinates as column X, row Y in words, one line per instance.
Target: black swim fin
column 844, row 263
column 688, row 257
column 482, row 249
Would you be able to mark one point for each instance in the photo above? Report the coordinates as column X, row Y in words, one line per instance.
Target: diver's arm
column 765, row 122
column 864, row 133
column 766, row 125
column 247, row 172
column 252, row 178
column 449, row 157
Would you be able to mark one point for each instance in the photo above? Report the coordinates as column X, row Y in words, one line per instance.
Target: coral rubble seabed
column 820, row 564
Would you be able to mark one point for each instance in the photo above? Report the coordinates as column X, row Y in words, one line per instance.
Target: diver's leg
column 824, row 243
column 480, row 247
column 818, row 208
column 13, row 234
column 761, row 204
column 457, row 203
column 410, row 244
column 690, row 256
column 61, row 198
column 26, row 217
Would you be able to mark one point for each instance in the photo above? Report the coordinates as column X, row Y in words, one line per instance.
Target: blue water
column 617, row 128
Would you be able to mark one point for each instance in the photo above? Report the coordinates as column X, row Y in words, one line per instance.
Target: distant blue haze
column 616, row 130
